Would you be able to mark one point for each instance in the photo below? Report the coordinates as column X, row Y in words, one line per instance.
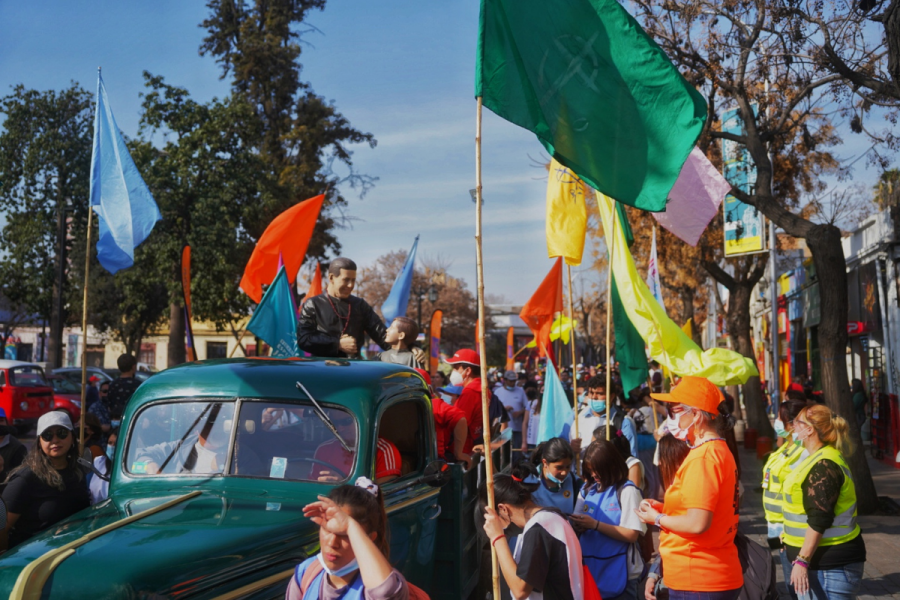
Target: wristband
column 658, row 517
column 801, row 563
column 494, row 541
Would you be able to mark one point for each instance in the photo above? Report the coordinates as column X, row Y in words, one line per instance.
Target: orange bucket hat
column 696, row 392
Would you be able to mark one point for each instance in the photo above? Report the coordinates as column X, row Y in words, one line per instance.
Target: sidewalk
column 881, row 533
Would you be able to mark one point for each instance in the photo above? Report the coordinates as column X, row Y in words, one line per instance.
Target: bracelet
column 658, row 517
column 597, row 526
column 494, row 541
column 801, row 563
column 803, row 558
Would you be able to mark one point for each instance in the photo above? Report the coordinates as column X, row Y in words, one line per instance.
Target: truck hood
column 199, row 548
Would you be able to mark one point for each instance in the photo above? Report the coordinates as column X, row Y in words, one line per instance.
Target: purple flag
column 695, row 198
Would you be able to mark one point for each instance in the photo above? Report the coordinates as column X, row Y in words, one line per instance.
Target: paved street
column 882, row 533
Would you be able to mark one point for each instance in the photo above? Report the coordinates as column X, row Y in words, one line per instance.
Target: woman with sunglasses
column 699, row 517
column 48, row 486
column 821, row 536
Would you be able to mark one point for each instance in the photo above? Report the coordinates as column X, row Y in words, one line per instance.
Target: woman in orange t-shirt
column 699, row 518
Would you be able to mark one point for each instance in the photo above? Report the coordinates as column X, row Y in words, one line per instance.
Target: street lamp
column 420, row 293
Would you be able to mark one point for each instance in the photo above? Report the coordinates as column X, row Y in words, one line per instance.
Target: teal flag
column 630, row 352
column 600, row 95
column 275, row 318
column 125, row 208
column 557, row 414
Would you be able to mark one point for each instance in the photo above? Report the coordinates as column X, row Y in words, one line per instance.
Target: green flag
column 600, row 95
column 630, row 351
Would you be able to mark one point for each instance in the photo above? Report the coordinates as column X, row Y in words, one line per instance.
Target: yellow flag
column 687, row 328
column 566, row 214
column 668, row 344
column 562, row 328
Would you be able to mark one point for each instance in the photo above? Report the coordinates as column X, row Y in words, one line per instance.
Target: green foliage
column 45, row 156
column 303, row 136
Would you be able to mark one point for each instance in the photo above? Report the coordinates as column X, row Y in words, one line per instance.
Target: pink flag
column 695, row 198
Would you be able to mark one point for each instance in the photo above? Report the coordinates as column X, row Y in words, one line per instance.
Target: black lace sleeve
column 820, row 494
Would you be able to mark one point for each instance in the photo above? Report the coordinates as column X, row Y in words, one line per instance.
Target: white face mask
column 456, row 378
column 345, row 570
column 675, row 429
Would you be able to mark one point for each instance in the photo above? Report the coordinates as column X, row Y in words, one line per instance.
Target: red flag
column 539, row 311
column 315, row 286
column 288, row 234
column 186, row 291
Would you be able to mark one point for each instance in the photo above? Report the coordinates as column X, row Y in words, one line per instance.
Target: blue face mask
column 780, row 431
column 550, row 476
column 345, row 570
column 110, row 451
column 598, row 406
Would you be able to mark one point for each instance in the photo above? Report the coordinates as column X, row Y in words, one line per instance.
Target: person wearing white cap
column 49, row 486
column 515, row 401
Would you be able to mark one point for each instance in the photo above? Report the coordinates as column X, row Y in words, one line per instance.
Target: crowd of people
column 573, row 518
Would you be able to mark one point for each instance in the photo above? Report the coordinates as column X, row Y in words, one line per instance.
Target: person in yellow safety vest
column 777, row 468
column 821, row 536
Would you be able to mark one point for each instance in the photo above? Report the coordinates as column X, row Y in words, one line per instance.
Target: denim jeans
column 630, row 591
column 841, row 583
column 786, row 568
column 725, row 595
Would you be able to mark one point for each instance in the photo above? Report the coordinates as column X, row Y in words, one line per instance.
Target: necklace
column 345, row 320
column 715, row 439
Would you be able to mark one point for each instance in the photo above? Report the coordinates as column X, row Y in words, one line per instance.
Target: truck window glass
column 288, row 441
column 180, row 438
column 27, row 377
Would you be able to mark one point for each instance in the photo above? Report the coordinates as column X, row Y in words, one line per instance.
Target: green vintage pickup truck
column 222, row 518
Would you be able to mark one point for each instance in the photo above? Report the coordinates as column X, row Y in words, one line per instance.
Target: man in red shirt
column 450, row 428
column 467, row 373
column 387, row 457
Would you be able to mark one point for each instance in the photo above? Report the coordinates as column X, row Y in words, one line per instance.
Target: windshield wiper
column 323, row 416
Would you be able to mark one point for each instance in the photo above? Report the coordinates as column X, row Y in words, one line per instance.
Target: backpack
column 315, row 567
column 756, row 563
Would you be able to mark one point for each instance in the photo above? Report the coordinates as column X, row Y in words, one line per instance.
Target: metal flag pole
column 485, row 407
column 572, row 339
column 611, row 241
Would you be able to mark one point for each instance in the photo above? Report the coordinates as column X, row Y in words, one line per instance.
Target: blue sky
column 400, row 69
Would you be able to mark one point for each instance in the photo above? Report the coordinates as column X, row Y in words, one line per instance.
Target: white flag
column 653, row 273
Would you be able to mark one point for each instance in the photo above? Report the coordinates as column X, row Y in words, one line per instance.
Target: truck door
column 412, row 506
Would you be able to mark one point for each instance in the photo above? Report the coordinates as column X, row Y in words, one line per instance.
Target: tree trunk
column 738, row 316
column 176, row 352
column 825, row 244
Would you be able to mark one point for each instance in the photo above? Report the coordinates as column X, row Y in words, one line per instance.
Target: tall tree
column 302, row 136
column 734, row 51
column 208, row 180
column 45, row 158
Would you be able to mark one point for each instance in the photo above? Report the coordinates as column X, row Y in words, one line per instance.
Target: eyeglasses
column 59, row 433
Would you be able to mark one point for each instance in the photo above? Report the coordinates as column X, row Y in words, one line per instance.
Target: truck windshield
column 30, row 376
column 274, row 440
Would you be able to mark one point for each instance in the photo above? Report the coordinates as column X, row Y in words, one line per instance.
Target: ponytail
column 514, row 489
column 831, row 428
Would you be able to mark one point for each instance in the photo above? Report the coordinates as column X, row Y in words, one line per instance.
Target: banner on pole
column 188, row 314
column 510, row 351
column 435, row 345
column 745, row 230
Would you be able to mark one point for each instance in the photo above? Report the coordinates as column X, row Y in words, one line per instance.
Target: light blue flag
column 398, row 300
column 275, row 321
column 122, row 201
column 557, row 414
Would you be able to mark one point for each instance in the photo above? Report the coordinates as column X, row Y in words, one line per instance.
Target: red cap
column 424, row 375
column 93, row 378
column 465, row 357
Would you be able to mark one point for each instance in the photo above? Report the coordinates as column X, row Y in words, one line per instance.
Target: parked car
column 66, row 396
column 236, row 530
column 73, row 374
column 24, row 393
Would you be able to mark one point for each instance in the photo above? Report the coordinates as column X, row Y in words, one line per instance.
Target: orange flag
column 539, row 311
column 315, row 286
column 288, row 234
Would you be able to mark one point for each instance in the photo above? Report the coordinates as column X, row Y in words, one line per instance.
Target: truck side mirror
column 437, row 474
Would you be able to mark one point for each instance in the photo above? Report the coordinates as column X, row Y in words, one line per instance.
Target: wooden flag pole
column 611, row 241
column 653, row 406
column 485, row 407
column 84, row 313
column 572, row 339
column 238, row 345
